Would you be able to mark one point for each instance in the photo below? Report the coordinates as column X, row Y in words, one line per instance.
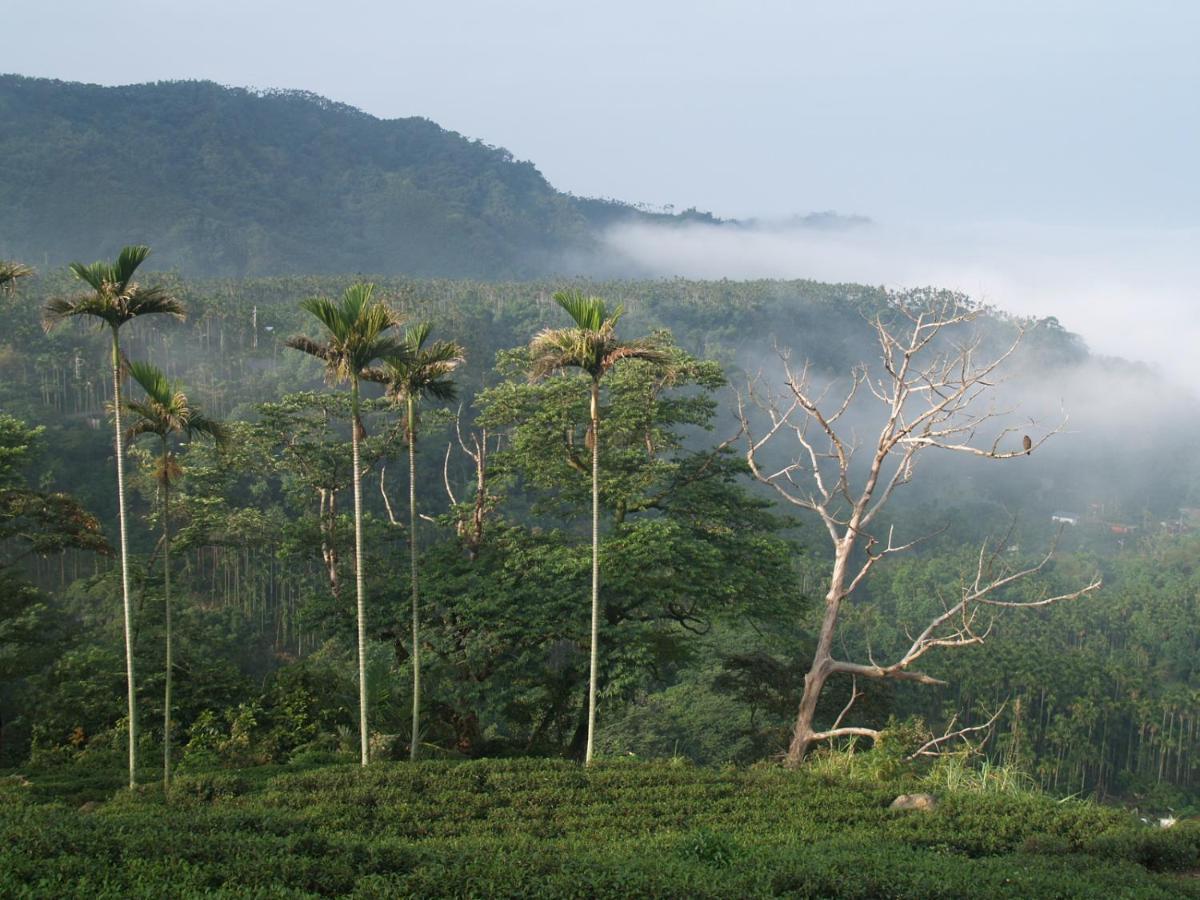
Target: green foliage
column 552, row 829
column 1101, row 695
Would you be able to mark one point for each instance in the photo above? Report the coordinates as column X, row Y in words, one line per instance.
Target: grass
column 522, row 828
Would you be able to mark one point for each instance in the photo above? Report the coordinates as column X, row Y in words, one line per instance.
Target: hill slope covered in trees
column 228, row 181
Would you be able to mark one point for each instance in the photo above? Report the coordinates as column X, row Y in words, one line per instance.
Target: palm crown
column 419, row 370
column 165, row 409
column 115, row 297
column 11, row 271
column 356, row 326
column 592, row 345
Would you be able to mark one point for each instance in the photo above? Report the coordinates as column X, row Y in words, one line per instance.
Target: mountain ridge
column 232, row 181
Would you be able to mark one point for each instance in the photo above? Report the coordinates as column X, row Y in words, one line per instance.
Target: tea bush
column 523, row 827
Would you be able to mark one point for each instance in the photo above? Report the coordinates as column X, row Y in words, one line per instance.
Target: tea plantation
column 537, row 828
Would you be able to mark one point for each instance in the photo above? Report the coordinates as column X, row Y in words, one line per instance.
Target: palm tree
column 10, row 272
column 356, row 336
column 419, row 372
column 592, row 345
column 115, row 298
column 165, row 412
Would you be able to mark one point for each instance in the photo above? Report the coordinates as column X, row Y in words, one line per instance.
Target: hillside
column 531, row 828
column 227, row 181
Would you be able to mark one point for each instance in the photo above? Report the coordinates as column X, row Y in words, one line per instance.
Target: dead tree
column 469, row 522
column 932, row 387
column 469, row 519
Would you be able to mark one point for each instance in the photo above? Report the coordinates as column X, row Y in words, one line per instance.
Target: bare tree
column 469, row 523
column 932, row 385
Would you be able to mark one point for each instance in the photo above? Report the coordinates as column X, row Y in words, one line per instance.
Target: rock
column 89, row 807
column 923, row 802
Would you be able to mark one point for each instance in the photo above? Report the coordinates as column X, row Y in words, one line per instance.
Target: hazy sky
column 1041, row 154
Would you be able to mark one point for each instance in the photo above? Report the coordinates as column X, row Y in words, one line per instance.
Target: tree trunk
column 591, row 726
column 132, row 699
column 814, row 681
column 166, row 514
column 358, row 580
column 412, row 568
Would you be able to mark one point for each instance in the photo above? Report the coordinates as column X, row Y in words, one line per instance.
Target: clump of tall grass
column 961, row 773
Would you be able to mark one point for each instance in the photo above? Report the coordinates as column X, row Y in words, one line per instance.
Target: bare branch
column 387, row 503
column 930, row 748
column 446, row 473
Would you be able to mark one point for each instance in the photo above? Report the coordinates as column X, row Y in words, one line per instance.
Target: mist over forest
column 1130, row 481
column 646, row 405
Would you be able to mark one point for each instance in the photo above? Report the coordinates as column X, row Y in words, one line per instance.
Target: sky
column 1034, row 152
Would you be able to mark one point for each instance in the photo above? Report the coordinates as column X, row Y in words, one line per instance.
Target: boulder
column 923, row 802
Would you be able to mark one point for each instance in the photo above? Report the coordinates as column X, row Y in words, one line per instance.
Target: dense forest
column 710, row 600
column 256, row 183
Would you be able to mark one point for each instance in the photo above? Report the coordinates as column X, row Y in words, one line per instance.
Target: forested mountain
column 227, row 181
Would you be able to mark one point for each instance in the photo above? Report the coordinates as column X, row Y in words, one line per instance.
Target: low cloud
column 1128, row 292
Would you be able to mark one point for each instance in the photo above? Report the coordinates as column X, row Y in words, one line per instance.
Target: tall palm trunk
column 166, row 514
column 412, row 568
column 591, row 731
column 132, row 699
column 358, row 580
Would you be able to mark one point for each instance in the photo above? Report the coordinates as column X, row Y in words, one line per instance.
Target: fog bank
column 1128, row 292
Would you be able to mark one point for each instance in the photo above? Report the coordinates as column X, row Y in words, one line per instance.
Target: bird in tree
column 114, row 297
column 1027, row 444
column 356, row 330
column 11, row 272
column 421, row 370
column 591, row 345
column 165, row 412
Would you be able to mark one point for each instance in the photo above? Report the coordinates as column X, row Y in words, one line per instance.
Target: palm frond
column 328, row 314
column 148, row 421
column 555, row 349
column 96, row 276
column 151, row 380
column 416, row 335
column 589, row 313
column 441, row 389
column 307, row 345
column 634, row 350
column 57, row 310
column 147, row 301
column 200, row 424
column 127, row 263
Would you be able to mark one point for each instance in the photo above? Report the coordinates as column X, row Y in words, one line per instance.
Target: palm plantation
column 591, row 345
column 356, row 336
column 113, row 297
column 165, row 412
column 421, row 371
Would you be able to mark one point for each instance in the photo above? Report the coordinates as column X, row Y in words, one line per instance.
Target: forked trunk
column 591, row 726
column 132, row 699
column 412, row 568
column 358, row 579
column 803, row 733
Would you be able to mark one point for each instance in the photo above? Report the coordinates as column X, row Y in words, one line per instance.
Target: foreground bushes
column 543, row 828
